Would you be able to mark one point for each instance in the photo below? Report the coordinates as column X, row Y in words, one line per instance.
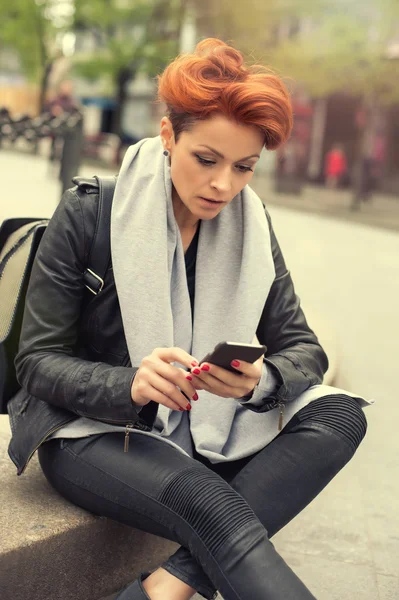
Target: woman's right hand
column 158, row 381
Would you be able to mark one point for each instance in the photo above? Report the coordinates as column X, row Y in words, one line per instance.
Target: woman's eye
column 209, row 163
column 204, row 161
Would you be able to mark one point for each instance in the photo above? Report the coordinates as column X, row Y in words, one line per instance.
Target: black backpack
column 19, row 241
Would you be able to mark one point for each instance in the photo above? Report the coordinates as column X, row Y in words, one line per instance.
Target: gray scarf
column 234, row 273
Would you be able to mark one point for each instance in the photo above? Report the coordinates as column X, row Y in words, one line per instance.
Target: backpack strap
column 100, row 251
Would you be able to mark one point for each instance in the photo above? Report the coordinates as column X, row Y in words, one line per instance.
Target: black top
column 190, row 258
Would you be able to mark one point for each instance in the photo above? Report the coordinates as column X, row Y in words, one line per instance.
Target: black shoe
column 136, row 590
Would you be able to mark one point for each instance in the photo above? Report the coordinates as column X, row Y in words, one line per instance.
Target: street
column 345, row 546
column 381, row 210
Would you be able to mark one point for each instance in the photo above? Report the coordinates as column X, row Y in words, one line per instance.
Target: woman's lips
column 211, row 200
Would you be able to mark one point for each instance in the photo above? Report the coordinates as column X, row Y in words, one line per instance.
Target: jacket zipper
column 137, row 425
column 127, row 433
column 128, row 428
column 281, row 406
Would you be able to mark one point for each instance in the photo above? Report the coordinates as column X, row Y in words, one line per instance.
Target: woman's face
column 211, row 163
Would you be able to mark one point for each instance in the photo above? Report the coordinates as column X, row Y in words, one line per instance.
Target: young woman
column 214, row 460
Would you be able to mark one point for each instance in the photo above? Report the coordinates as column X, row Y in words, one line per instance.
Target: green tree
column 132, row 37
column 325, row 45
column 28, row 28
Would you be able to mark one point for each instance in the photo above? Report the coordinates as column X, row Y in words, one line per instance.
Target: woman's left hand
column 225, row 384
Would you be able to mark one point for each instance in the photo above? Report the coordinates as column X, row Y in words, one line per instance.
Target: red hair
column 214, row 79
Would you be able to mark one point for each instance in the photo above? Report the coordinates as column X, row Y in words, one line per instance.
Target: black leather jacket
column 73, row 359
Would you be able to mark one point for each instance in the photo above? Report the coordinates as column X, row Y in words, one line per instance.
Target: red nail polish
column 189, row 377
column 194, row 363
column 205, row 368
column 188, row 407
column 195, row 397
column 235, row 363
column 196, row 371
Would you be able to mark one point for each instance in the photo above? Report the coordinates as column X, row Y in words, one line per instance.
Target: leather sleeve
column 294, row 354
column 46, row 364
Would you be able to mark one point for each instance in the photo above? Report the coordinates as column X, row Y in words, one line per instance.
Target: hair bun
column 219, row 52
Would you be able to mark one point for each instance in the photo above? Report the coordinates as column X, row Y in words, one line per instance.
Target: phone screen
column 225, row 352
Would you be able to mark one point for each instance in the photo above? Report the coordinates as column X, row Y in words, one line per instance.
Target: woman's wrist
column 251, row 393
column 266, row 385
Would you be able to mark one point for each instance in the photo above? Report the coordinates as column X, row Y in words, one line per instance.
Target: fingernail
column 205, row 368
column 195, row 397
column 235, row 363
column 181, row 409
column 196, row 371
column 188, row 407
column 189, row 377
column 194, row 363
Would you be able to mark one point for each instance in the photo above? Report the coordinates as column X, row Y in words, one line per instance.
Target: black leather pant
column 222, row 515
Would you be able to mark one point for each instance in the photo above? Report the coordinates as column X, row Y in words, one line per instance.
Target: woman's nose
column 222, row 181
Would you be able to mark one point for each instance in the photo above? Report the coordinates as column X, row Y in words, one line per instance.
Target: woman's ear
column 166, row 133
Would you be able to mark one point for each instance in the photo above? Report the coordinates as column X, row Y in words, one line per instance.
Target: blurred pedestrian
column 335, row 166
column 64, row 99
column 365, row 182
column 61, row 101
column 378, row 156
column 72, row 150
column 68, row 144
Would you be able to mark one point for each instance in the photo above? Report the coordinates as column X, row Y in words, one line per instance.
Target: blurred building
column 320, row 123
column 324, row 121
column 16, row 93
column 342, row 118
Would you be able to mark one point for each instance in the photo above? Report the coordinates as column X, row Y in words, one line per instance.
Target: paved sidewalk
column 30, row 187
column 345, row 545
column 381, row 211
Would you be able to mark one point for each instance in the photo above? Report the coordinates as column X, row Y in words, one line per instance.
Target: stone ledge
column 52, row 550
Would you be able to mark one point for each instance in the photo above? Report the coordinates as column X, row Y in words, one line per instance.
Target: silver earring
column 165, row 153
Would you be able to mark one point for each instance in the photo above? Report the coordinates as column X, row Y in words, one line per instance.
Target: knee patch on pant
column 340, row 413
column 213, row 509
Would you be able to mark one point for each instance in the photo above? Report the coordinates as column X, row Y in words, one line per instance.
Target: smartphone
column 225, row 352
